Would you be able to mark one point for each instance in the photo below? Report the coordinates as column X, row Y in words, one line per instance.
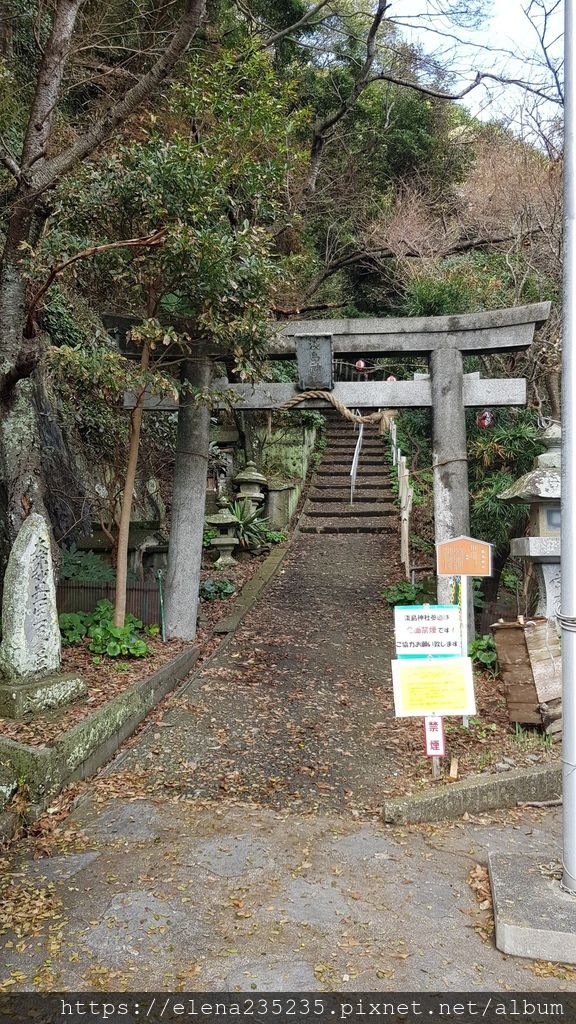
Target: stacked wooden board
column 531, row 669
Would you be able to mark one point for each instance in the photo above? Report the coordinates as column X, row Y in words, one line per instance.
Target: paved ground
column 166, row 894
column 236, row 844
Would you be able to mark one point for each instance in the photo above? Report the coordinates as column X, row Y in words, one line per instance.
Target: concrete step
column 375, row 472
column 366, row 441
column 344, row 453
column 344, row 509
column 325, row 486
column 377, row 524
column 339, row 495
column 343, row 447
column 370, row 439
column 350, row 438
column 338, row 461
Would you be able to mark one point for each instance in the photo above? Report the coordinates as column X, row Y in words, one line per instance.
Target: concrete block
column 533, row 915
column 476, row 794
column 18, row 699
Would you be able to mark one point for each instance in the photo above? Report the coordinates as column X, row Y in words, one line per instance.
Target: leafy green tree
column 216, row 194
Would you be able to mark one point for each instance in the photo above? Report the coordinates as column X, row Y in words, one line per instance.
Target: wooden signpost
column 464, row 556
column 461, row 558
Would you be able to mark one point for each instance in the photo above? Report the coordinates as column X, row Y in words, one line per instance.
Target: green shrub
column 274, row 536
column 208, row 537
column 313, row 418
column 403, row 593
column 511, row 579
column 85, row 566
column 250, row 525
column 104, row 636
column 214, row 590
column 73, row 627
column 482, row 650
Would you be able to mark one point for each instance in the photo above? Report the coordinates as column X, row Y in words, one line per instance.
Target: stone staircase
column 327, row 508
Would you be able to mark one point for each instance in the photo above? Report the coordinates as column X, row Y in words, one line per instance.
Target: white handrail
column 405, row 496
column 355, row 462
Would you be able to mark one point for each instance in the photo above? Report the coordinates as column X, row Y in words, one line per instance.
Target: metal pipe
column 160, row 581
column 568, row 528
column 355, row 462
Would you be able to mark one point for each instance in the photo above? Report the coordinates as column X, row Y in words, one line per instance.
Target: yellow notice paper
column 435, row 686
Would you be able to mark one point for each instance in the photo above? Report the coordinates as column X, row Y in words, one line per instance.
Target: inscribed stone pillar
column 30, row 632
column 30, row 650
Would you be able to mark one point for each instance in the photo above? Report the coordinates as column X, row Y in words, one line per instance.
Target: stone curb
column 252, row 590
column 476, row 794
column 85, row 747
column 48, row 769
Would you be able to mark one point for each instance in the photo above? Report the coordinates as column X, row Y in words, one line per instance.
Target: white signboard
column 427, row 630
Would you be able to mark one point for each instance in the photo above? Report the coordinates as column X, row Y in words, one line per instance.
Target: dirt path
column 290, row 712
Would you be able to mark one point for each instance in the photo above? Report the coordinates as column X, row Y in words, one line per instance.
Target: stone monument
column 30, row 652
column 540, row 488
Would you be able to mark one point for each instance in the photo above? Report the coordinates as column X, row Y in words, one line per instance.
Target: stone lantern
column 226, row 541
column 540, row 488
column 250, row 483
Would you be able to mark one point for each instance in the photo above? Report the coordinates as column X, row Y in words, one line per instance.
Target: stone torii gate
column 447, row 389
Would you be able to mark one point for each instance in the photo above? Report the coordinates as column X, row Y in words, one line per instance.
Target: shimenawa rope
column 383, row 417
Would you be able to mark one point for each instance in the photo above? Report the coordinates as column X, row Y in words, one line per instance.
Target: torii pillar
column 449, row 455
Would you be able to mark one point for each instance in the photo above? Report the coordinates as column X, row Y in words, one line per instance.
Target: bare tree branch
column 192, row 16
column 427, row 90
column 324, row 127
column 8, row 159
column 281, row 312
column 304, row 20
column 49, row 82
column 360, row 256
column 542, row 33
column 147, row 241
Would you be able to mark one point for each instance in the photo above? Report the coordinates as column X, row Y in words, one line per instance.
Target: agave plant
column 250, row 524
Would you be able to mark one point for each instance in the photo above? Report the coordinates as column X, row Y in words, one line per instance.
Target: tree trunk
column 21, row 461
column 20, row 449
column 490, row 588
column 247, row 436
column 65, row 497
column 552, row 382
column 127, row 499
column 188, row 504
column 6, row 33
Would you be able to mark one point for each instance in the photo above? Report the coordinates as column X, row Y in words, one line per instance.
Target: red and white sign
column 434, row 736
